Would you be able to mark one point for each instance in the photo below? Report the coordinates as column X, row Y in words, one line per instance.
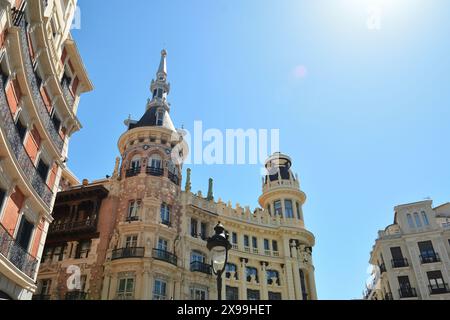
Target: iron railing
column 18, row 256
column 439, row 288
column 382, row 268
column 166, row 256
column 174, row 178
column 35, row 83
column 430, row 258
column 197, row 266
column 18, row 149
column 407, row 293
column 156, row 172
column 133, row 172
column 131, row 252
column 400, row 263
column 71, row 227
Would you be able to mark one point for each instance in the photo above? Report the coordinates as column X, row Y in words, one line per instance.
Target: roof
column 149, row 119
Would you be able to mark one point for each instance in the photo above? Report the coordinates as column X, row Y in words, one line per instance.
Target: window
column 303, row 285
column 136, row 163
column 234, row 238
column 21, row 129
column 425, row 218
column 160, row 290
column 274, row 296
column 229, row 268
column 278, row 208
column 133, row 210
column 45, row 287
column 273, row 277
column 131, row 241
column 246, row 241
column 194, row 226
column 253, row 295
column 155, row 162
column 398, row 261
column 197, row 257
column 269, row 210
column 125, row 288
column 165, row 214
column 42, row 170
column 410, row 221
column 255, row 243
column 266, row 245
column 56, row 122
column 418, row 222
column 437, row 284
column 24, row 233
column 159, row 116
column 58, row 253
column 275, row 246
column 203, row 231
column 199, row 294
column 162, row 244
column 83, row 249
column 289, row 209
column 406, row 291
column 427, row 253
column 250, row 273
column 232, row 293
column 299, row 211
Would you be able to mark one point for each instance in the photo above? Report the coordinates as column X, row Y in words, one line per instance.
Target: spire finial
column 163, row 64
column 188, row 181
column 210, row 195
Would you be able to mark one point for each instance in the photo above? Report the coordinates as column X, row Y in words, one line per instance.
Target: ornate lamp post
column 219, row 246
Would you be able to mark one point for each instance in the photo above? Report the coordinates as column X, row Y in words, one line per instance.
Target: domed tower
column 283, row 200
column 148, row 215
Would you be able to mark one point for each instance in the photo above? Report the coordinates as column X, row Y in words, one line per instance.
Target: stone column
column 289, row 280
column 106, row 287
column 312, row 284
column 243, row 278
column 112, row 287
column 145, row 294
column 296, row 273
column 138, row 290
column 263, row 280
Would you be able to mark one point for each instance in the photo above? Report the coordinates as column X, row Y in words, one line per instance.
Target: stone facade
column 412, row 256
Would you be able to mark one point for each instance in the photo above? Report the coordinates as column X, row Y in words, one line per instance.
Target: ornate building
column 151, row 234
column 42, row 78
column 411, row 256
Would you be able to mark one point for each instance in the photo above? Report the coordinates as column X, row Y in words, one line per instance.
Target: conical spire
column 162, row 70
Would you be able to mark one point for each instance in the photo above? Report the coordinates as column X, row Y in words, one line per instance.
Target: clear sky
column 363, row 104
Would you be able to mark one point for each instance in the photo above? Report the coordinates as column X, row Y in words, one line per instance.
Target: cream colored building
column 42, row 78
column 156, row 248
column 412, row 256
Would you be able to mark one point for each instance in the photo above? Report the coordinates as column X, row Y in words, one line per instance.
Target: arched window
column 425, row 218
column 159, row 117
column 417, row 218
column 165, row 214
column 289, row 209
column 135, row 163
column 410, row 221
column 155, row 165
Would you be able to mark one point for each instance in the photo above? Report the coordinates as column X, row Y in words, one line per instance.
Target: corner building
column 155, row 245
column 41, row 79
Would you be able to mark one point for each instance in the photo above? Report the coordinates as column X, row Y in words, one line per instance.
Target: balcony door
column 427, row 251
column 197, row 257
column 24, row 233
column 163, row 245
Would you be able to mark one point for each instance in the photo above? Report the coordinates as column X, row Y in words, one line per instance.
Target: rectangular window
column 160, row 290
column 134, row 209
column 299, row 211
column 165, row 214
column 425, row 218
column 437, row 283
column 246, row 241
column 417, row 219
column 45, row 287
column 131, row 241
column 21, row 129
column 162, row 245
column 410, row 221
column 266, row 244
column 289, row 209
column 427, row 252
column 278, row 208
column 125, row 289
column 56, row 122
column 194, row 228
column 203, row 231
column 255, row 243
column 232, row 293
column 24, row 233
column 274, row 296
column 234, row 238
column 275, row 245
column 199, row 294
column 83, row 249
column 43, row 169
column 253, row 295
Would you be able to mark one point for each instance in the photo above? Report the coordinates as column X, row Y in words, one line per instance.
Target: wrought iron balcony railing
column 75, row 295
column 400, row 263
column 441, row 288
column 165, row 256
column 35, row 83
column 174, row 178
column 407, row 293
column 156, row 172
column 125, row 253
column 430, row 258
column 18, row 149
column 197, row 266
column 18, row 256
column 72, row 227
column 133, row 172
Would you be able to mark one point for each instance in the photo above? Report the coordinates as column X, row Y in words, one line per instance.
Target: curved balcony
column 13, row 137
column 125, row 253
column 73, row 227
column 198, row 266
column 18, row 256
column 133, row 172
column 35, row 83
column 174, row 178
column 156, row 172
column 166, row 256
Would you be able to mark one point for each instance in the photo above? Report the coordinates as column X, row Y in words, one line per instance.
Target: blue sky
column 364, row 113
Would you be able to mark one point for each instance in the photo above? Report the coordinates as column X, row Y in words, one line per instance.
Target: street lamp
column 219, row 246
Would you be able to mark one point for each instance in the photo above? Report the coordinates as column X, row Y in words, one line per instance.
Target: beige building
column 42, row 78
column 153, row 239
column 412, row 256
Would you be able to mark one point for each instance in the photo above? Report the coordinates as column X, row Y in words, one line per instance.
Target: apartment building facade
column 42, row 78
column 412, row 256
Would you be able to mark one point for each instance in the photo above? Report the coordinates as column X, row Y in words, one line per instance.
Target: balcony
column 166, row 223
column 67, row 92
column 166, row 256
column 156, row 172
column 35, row 83
column 429, row 258
column 441, row 288
column 400, row 263
column 73, row 227
column 40, row 297
column 407, row 293
column 126, row 253
column 75, row 295
column 16, row 254
column 198, row 266
column 174, row 178
column 133, row 172
column 132, row 219
column 18, row 149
